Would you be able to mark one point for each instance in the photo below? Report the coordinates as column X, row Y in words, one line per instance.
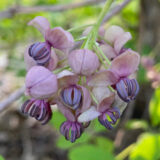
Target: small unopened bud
column 127, row 89
column 40, row 52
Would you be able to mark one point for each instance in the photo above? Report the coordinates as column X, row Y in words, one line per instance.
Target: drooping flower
column 40, row 53
column 39, row 109
column 57, row 37
column 116, row 38
column 121, row 68
column 107, row 113
column 41, row 83
column 83, row 62
column 73, row 100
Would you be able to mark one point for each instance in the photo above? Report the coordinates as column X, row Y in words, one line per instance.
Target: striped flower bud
column 71, row 130
column 39, row 109
column 127, row 89
column 71, row 97
column 40, row 52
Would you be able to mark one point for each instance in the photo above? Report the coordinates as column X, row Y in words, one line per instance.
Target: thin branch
column 13, row 97
column 115, row 10
column 50, row 8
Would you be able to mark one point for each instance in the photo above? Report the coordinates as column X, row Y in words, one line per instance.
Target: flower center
column 72, row 97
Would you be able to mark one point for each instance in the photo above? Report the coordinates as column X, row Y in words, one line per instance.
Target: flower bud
column 39, row 109
column 71, row 97
column 127, row 89
column 83, row 62
column 40, row 83
column 40, row 52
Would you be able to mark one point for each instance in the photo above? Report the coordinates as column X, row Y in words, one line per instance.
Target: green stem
column 61, row 69
column 79, row 28
column 102, row 54
column 91, row 38
column 122, row 155
column 94, row 98
column 100, row 58
column 80, row 39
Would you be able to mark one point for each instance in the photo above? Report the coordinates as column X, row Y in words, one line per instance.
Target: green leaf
column 154, row 108
column 104, row 144
column 57, row 119
column 147, row 148
column 1, row 158
column 89, row 152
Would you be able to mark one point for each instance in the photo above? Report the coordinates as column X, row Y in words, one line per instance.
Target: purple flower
column 57, row 37
column 41, row 83
column 105, row 111
column 117, row 38
column 121, row 68
column 83, row 62
column 39, row 109
column 73, row 100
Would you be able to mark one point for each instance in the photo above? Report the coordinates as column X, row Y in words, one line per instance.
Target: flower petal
column 125, row 64
column 29, row 61
column 83, row 61
column 102, row 79
column 40, row 83
column 120, row 104
column 59, row 38
column 121, row 41
column 106, row 103
column 40, row 23
column 86, row 100
column 67, row 112
column 89, row 115
column 53, row 61
column 101, row 92
column 67, row 78
column 108, row 51
column 112, row 33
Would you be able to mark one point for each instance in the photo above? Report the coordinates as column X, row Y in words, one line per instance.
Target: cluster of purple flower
column 81, row 87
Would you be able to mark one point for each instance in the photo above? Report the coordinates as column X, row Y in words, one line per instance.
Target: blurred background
column 136, row 136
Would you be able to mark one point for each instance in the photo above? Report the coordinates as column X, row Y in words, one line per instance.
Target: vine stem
column 122, row 155
column 91, row 38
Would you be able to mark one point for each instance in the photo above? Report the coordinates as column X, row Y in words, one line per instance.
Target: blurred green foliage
column 155, row 108
column 147, row 147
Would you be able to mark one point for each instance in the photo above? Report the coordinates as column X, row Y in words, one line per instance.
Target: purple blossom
column 39, row 109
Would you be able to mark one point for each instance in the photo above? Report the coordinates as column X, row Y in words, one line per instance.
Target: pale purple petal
column 40, row 82
column 108, row 51
column 83, row 62
column 120, row 104
column 102, row 79
column 106, row 103
column 101, row 92
column 40, row 23
column 86, row 99
column 29, row 61
column 59, row 38
column 67, row 112
column 112, row 33
column 125, row 64
column 67, row 78
column 53, row 61
column 89, row 115
column 121, row 41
